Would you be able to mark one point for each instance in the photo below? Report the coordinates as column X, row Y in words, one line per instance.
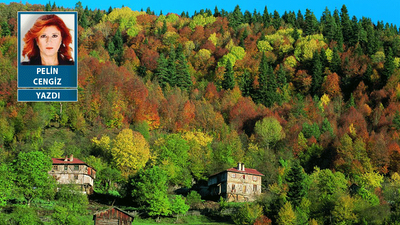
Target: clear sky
column 386, row 11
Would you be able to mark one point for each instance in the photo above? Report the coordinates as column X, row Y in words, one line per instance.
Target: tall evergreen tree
column 266, row 17
column 388, row 66
column 229, row 78
column 236, row 17
column 97, row 16
column 5, row 29
column 172, row 66
column 276, row 21
column 216, row 12
column 162, row 71
column 300, row 20
column 347, row 30
column 311, row 23
column 336, row 63
column 183, row 78
column 296, row 179
column 317, row 74
column 246, row 84
column 247, row 17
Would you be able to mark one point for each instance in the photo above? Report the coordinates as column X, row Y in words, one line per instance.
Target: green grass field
column 194, row 220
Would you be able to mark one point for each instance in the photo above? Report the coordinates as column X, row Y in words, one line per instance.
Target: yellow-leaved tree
column 130, row 151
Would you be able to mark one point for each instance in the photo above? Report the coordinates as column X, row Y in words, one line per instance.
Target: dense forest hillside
column 311, row 101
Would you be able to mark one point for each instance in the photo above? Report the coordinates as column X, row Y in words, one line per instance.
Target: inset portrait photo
column 47, row 38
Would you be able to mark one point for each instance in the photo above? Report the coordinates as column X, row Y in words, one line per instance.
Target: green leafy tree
column 178, row 206
column 270, row 131
column 7, row 180
column 32, row 178
column 172, row 155
column 149, row 189
column 72, row 206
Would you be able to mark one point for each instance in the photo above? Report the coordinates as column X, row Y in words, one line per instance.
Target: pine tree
column 47, row 7
column 183, row 78
column 109, row 10
column 162, row 71
column 119, row 45
column 281, row 77
column 164, row 27
column 296, row 179
column 259, row 93
column 300, row 20
column 98, row 16
column 172, row 66
column 216, row 12
column 336, row 62
column 266, row 17
column 295, row 34
column 276, row 22
column 317, row 74
column 5, row 29
column 311, row 23
column 229, row 77
column 247, row 17
column 271, row 96
column 388, row 66
column 347, row 30
column 236, row 17
column 246, row 84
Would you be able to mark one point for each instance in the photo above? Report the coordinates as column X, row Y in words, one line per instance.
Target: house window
column 244, row 189
column 233, row 175
column 76, row 177
column 255, row 178
column 76, row 167
column 233, row 187
column 255, row 188
column 65, row 167
column 55, row 167
column 244, row 176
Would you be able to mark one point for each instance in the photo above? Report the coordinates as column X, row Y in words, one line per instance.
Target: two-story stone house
column 236, row 184
column 73, row 171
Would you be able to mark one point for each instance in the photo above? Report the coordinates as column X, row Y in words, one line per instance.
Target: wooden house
column 73, row 171
column 236, row 184
column 112, row 216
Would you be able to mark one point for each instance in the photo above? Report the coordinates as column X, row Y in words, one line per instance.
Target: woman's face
column 49, row 41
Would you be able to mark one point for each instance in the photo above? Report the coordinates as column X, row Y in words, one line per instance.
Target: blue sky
column 386, row 11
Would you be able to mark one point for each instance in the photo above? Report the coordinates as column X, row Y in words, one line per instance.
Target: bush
column 247, row 214
column 194, row 200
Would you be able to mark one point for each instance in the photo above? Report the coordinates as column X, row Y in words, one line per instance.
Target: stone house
column 73, row 171
column 236, row 184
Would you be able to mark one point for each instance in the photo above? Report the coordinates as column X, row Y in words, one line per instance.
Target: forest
column 311, row 101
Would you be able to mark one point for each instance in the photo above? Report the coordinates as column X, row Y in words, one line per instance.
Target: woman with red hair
column 47, row 42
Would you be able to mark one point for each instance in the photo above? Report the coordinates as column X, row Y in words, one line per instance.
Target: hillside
column 311, row 101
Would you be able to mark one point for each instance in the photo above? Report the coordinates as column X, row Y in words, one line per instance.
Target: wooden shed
column 113, row 216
